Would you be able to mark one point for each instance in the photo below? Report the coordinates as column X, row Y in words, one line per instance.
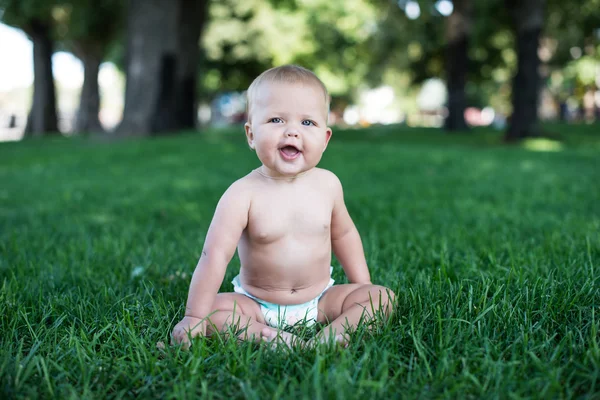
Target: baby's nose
column 291, row 133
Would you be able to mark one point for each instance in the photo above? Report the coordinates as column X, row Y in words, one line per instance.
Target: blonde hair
column 286, row 74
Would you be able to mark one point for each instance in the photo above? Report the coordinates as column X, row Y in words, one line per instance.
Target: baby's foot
column 275, row 337
column 338, row 340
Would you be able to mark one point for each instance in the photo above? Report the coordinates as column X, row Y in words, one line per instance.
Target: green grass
column 493, row 252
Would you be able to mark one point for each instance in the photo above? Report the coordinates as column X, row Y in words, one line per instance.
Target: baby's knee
column 383, row 296
column 227, row 302
column 391, row 296
column 226, row 311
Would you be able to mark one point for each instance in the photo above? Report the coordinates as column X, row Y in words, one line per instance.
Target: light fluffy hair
column 286, row 74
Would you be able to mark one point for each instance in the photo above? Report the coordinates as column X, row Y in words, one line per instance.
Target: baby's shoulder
column 240, row 189
column 328, row 181
column 243, row 185
column 327, row 177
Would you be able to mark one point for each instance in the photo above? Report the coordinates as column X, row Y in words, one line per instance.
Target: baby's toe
column 341, row 340
column 338, row 340
column 268, row 335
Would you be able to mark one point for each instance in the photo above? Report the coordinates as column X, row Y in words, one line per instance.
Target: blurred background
column 151, row 67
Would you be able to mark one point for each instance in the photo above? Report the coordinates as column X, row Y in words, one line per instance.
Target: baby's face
column 288, row 127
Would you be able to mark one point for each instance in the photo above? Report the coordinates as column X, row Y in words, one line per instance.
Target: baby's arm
column 228, row 223
column 345, row 239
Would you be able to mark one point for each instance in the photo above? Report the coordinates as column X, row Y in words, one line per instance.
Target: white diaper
column 279, row 316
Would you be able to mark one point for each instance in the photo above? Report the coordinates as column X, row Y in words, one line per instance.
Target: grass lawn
column 493, row 252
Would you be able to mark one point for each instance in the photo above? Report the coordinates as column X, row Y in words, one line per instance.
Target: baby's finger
column 176, row 337
column 180, row 337
column 183, row 340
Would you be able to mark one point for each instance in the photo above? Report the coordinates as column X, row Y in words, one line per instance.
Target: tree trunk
column 528, row 20
column 458, row 29
column 150, row 41
column 42, row 117
column 161, row 66
column 89, row 101
column 191, row 23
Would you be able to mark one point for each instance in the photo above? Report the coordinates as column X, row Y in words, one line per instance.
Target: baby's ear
column 328, row 134
column 249, row 135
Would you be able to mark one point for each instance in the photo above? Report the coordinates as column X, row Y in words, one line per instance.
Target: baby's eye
column 276, row 120
column 308, row 122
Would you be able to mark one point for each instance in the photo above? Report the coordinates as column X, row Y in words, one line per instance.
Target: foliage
column 417, row 46
column 20, row 13
column 243, row 39
column 339, row 31
column 493, row 252
column 570, row 29
column 572, row 25
column 84, row 24
column 75, row 23
column 403, row 43
column 349, row 43
column 235, row 48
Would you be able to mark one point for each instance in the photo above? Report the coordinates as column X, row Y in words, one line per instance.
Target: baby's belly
column 286, row 296
column 289, row 278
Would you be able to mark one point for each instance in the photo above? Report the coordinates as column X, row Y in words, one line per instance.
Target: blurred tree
column 400, row 43
column 243, row 39
column 492, row 58
column 338, row 33
column 571, row 50
column 528, row 21
column 458, row 32
column 235, row 45
column 87, row 31
column 161, row 65
column 36, row 20
column 571, row 26
column 427, row 44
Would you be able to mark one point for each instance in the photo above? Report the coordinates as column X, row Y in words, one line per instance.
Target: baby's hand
column 188, row 326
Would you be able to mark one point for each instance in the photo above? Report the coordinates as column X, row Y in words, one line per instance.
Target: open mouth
column 289, row 152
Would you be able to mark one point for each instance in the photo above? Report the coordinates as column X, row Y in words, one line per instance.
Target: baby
column 284, row 218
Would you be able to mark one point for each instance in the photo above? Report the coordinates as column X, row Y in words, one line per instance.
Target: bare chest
column 289, row 214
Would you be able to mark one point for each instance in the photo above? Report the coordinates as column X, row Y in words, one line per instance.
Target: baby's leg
column 345, row 305
column 244, row 315
column 238, row 312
